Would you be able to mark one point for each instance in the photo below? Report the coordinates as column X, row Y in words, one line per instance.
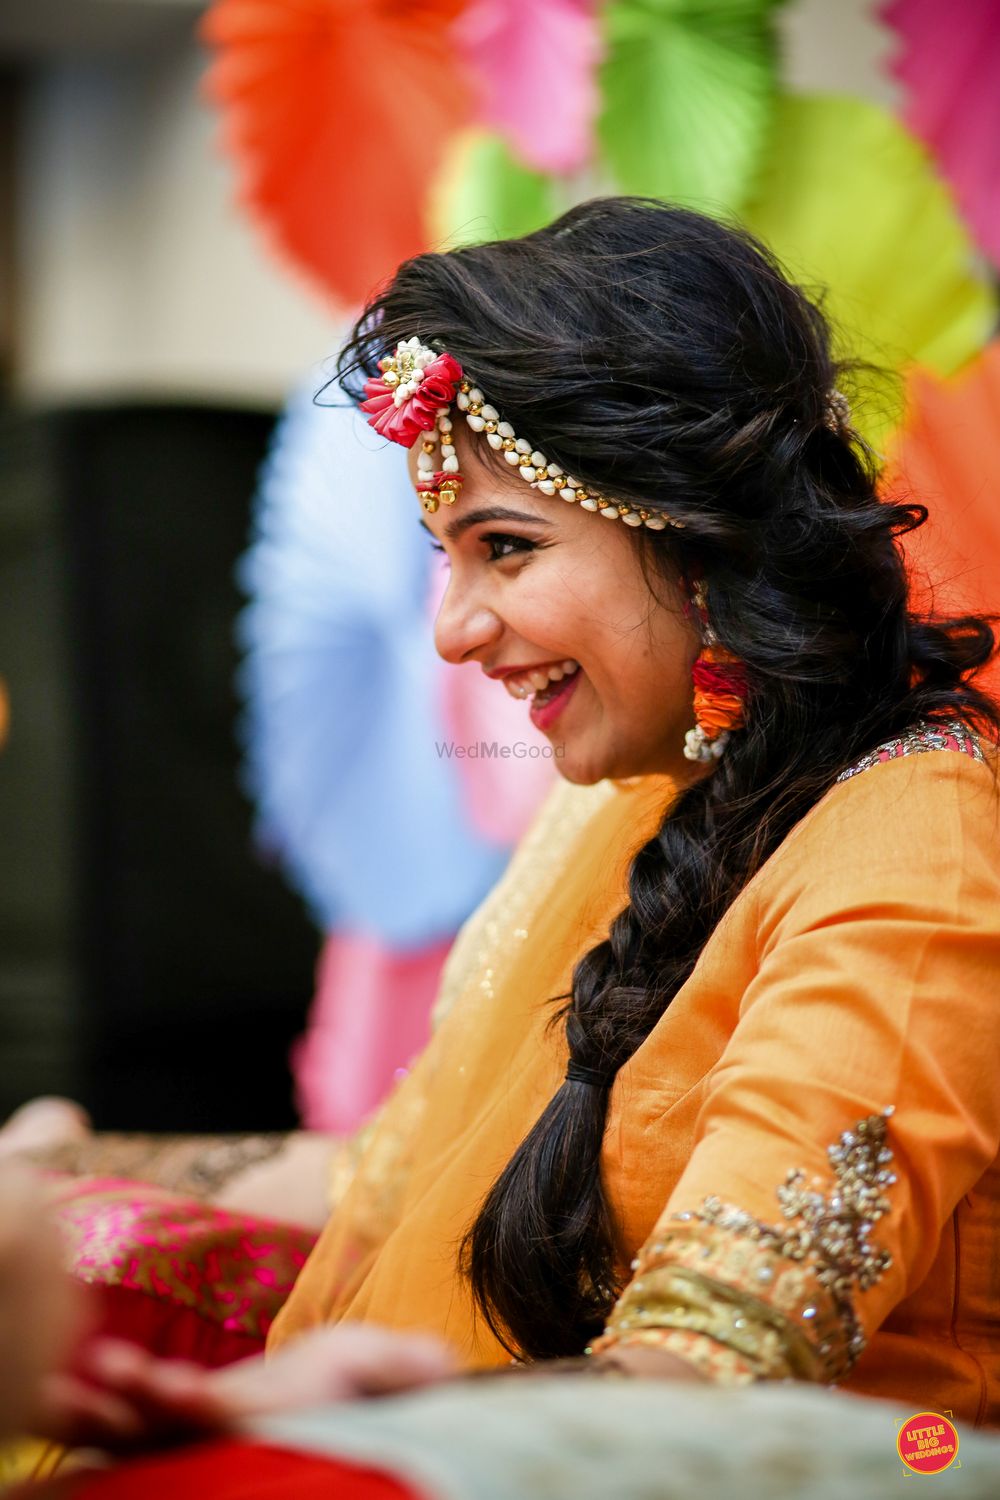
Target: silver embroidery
column 916, row 741
column 832, row 1230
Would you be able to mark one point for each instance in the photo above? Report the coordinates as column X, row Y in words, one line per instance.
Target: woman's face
column 551, row 601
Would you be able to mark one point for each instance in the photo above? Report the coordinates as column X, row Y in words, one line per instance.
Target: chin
column 586, row 770
column 578, row 775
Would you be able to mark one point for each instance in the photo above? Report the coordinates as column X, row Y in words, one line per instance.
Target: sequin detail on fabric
column 779, row 1295
column 504, row 918
column 833, row 1231
column 369, row 1178
column 227, row 1268
column 917, row 741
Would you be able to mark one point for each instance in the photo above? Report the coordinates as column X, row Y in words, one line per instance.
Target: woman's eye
column 499, row 545
column 502, row 546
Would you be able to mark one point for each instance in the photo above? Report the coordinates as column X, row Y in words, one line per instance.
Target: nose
column 465, row 625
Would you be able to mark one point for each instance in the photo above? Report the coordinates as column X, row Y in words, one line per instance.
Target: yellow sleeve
column 857, row 1099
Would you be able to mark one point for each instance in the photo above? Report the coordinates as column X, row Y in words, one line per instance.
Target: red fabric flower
column 404, row 423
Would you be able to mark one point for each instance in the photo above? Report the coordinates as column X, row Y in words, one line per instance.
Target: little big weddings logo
column 927, row 1443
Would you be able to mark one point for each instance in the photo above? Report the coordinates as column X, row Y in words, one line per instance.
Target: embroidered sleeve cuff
column 704, row 1283
column 780, row 1297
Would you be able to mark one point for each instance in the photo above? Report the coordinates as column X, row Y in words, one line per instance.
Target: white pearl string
column 536, row 470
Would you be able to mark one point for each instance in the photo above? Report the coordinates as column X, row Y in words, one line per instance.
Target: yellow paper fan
column 849, row 202
column 481, row 192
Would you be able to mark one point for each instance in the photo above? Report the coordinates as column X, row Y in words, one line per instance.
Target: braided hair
column 663, row 357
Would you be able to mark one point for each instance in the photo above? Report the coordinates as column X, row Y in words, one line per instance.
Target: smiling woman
column 732, row 934
column 550, row 605
column 712, row 1093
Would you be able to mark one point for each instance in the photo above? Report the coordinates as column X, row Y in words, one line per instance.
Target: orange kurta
column 856, row 973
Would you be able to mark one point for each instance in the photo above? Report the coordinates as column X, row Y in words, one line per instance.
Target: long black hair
column 663, row 357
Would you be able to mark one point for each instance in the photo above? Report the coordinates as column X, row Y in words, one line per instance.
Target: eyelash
column 495, row 539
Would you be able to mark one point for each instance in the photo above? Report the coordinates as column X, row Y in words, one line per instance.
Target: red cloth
column 166, row 1328
column 232, row 1470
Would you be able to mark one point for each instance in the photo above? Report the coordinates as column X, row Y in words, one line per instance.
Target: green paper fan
column 483, row 193
column 849, row 202
column 688, row 89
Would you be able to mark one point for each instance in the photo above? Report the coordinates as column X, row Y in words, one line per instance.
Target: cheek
column 545, row 608
column 645, row 665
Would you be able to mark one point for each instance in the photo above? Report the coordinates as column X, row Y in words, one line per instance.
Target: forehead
column 486, row 481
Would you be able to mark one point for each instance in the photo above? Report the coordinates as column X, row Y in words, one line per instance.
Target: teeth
column 539, row 678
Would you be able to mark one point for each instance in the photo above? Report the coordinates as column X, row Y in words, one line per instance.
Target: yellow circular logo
column 927, row 1442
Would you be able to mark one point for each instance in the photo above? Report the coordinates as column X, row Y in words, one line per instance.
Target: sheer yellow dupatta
column 388, row 1254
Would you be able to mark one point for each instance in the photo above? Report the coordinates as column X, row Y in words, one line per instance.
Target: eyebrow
column 460, row 524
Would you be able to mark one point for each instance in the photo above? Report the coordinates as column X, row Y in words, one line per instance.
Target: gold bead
column 428, row 446
column 465, row 387
column 623, row 510
column 490, row 427
column 509, row 445
column 430, row 502
column 583, row 494
column 474, row 408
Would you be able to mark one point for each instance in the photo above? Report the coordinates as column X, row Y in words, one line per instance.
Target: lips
column 547, row 706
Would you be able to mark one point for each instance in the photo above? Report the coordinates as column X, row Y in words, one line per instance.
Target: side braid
column 680, row 883
column 540, row 1256
column 665, row 357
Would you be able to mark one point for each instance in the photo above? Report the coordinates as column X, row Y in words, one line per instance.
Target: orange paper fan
column 947, row 456
column 337, row 113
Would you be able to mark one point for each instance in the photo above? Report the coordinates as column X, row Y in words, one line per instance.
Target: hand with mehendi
column 282, row 1175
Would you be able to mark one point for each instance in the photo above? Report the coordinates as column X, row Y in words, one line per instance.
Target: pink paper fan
column 949, row 66
column 533, row 67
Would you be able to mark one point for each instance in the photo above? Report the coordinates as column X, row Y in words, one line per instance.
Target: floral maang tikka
column 415, row 394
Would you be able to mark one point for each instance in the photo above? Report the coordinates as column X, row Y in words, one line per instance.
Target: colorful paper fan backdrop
column 533, row 65
column 337, row 113
column 482, row 193
column 687, row 91
column 949, row 66
column 338, row 615
column 947, row 456
column 849, row 202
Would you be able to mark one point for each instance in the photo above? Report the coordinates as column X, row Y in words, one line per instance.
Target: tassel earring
column 720, row 689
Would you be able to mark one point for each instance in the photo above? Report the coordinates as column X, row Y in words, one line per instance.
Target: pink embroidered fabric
column 183, row 1278
column 916, row 741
